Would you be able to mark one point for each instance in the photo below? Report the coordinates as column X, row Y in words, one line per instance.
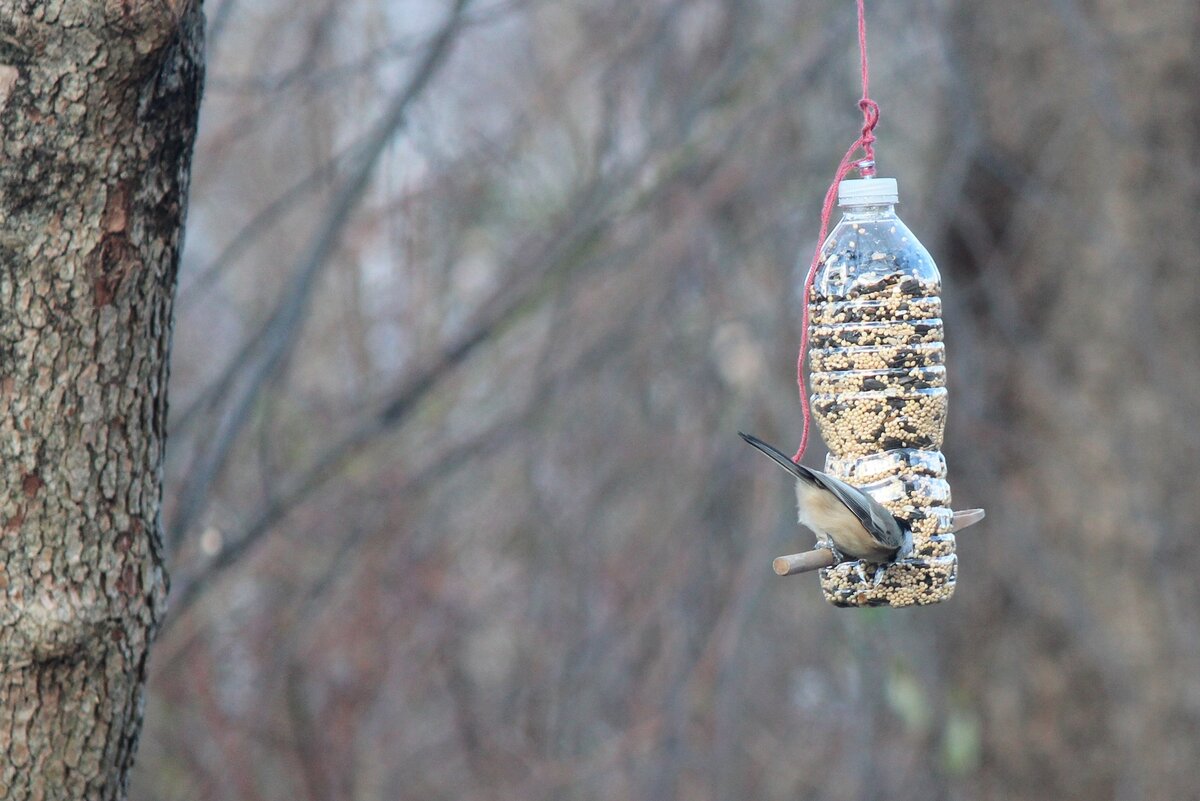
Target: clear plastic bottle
column 879, row 391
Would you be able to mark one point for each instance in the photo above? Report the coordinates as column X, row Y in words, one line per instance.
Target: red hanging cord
column 866, row 168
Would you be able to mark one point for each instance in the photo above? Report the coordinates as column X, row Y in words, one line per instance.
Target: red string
column 866, row 169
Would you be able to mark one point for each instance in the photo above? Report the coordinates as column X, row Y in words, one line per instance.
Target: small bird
column 847, row 520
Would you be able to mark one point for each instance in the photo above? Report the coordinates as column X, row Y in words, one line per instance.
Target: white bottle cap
column 868, row 192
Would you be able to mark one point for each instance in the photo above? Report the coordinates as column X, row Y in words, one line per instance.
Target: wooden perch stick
column 823, row 557
column 803, row 562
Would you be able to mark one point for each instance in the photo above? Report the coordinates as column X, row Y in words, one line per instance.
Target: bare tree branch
column 263, row 221
column 564, row 252
column 266, row 351
column 503, row 309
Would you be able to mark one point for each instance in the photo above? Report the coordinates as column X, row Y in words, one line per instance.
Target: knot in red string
column 870, row 110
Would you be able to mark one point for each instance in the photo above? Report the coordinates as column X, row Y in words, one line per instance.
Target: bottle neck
column 868, row 211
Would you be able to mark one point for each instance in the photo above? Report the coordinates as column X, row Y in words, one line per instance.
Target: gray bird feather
column 888, row 536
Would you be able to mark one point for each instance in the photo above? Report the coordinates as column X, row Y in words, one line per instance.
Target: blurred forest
column 474, row 300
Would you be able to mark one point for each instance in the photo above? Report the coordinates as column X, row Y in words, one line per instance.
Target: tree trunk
column 98, row 102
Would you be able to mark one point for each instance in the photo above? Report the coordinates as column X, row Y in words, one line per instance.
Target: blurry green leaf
column 907, row 699
column 961, row 742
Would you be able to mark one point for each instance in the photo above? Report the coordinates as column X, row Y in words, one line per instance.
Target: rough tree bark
column 98, row 102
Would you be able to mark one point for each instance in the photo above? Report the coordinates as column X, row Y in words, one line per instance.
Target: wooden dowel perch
column 803, row 562
column 823, row 557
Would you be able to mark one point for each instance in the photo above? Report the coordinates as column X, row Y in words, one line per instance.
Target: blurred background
column 475, row 298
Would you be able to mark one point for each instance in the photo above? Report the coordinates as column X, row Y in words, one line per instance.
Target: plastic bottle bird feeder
column 873, row 319
column 878, row 379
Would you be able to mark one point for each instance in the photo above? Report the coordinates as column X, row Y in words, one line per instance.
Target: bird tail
column 797, row 470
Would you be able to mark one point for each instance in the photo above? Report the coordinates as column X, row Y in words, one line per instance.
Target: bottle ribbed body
column 879, row 398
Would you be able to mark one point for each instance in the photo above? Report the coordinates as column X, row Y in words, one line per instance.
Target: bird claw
column 874, row 581
column 838, row 556
column 859, row 569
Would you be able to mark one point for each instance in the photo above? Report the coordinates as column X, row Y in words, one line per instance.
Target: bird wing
column 878, row 520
